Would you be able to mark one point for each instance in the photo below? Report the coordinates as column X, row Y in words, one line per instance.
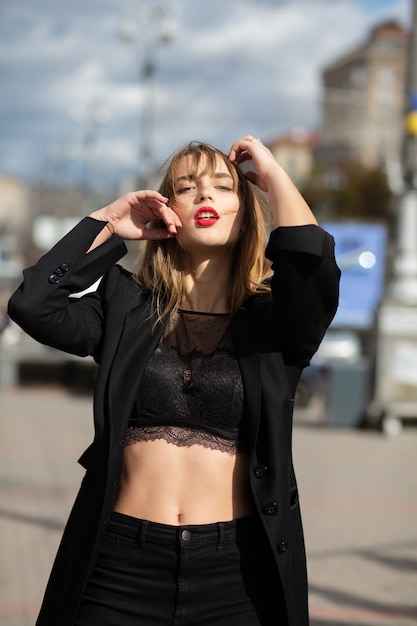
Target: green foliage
column 349, row 191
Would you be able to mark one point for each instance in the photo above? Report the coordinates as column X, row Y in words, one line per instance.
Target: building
column 14, row 220
column 14, row 204
column 294, row 151
column 14, row 216
column 364, row 101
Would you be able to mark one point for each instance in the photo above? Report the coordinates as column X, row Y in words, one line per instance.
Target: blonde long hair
column 160, row 269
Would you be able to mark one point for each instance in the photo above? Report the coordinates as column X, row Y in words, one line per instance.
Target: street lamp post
column 95, row 116
column 156, row 33
column 395, row 393
column 404, row 283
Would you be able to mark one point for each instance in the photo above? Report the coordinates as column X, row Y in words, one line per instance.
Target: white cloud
column 234, row 66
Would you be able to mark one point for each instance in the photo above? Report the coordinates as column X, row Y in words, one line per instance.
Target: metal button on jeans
column 186, row 535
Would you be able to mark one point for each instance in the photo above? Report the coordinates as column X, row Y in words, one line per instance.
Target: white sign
column 404, row 363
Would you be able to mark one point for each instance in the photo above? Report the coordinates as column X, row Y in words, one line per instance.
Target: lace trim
column 182, row 437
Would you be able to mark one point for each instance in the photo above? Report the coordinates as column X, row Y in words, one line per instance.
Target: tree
column 349, row 191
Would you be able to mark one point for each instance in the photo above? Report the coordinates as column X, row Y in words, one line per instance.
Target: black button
column 64, row 267
column 271, row 508
column 59, row 272
column 282, row 546
column 259, row 471
column 53, row 279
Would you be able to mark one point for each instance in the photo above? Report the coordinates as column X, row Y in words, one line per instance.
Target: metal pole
column 148, row 111
column 156, row 35
column 410, row 133
column 395, row 393
column 155, row 32
column 404, row 284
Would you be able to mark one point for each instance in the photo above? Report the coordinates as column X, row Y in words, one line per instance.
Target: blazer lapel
column 246, row 341
column 137, row 343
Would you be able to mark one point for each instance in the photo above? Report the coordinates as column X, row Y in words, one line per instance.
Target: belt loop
column 141, row 536
column 220, row 536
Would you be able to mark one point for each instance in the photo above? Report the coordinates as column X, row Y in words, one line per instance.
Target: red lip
column 206, row 221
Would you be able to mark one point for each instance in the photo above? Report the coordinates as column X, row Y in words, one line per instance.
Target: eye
column 225, row 188
column 183, row 190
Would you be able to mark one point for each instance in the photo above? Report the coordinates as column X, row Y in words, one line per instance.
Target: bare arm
column 287, row 204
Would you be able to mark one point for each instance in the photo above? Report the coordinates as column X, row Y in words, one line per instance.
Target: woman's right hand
column 128, row 216
column 287, row 204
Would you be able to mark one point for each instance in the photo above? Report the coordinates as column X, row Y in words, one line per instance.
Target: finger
column 157, row 233
column 243, row 156
column 150, row 194
column 239, row 154
column 251, row 138
column 236, row 149
column 170, row 218
column 242, row 148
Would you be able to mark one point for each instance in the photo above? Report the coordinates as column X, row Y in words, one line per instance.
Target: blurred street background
column 94, row 97
column 357, row 491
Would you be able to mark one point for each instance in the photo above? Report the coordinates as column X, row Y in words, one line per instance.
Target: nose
column 206, row 193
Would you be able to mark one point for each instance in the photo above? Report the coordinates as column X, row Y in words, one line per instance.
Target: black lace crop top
column 191, row 390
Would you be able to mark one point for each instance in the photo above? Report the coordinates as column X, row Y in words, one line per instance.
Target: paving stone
column 357, row 491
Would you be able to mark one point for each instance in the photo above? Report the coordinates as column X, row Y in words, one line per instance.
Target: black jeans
column 202, row 575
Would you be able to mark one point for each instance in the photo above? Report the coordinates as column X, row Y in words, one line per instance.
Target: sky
column 75, row 106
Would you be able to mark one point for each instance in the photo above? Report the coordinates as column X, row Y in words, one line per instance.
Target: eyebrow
column 215, row 175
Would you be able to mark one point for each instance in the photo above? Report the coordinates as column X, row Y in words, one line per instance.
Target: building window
column 359, row 76
column 385, row 75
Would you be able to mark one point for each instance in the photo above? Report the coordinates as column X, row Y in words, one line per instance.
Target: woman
column 188, row 512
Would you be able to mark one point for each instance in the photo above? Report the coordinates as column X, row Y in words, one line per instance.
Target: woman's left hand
column 250, row 149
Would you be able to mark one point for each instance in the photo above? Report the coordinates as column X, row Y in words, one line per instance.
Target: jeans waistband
column 201, row 534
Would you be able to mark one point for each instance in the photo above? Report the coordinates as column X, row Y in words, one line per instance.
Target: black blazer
column 274, row 337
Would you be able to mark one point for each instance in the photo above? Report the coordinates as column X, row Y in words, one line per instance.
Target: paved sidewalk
column 358, row 493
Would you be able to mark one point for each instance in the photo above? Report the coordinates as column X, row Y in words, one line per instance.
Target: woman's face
column 208, row 205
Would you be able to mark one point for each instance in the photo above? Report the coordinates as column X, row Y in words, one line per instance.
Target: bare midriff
column 169, row 484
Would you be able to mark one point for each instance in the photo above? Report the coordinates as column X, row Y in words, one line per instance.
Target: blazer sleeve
column 305, row 288
column 42, row 304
